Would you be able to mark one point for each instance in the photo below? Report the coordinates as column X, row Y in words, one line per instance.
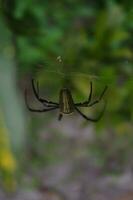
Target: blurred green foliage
column 93, row 37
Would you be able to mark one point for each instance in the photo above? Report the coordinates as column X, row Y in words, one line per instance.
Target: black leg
column 89, row 98
column 37, row 110
column 84, row 104
column 45, row 102
column 97, row 101
column 91, row 119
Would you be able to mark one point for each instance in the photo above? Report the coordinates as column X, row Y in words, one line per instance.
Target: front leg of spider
column 43, row 101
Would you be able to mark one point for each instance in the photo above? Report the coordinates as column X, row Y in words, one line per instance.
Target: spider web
column 61, row 69
column 59, row 72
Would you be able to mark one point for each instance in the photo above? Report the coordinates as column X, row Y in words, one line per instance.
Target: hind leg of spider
column 43, row 101
column 91, row 119
column 85, row 104
column 38, row 110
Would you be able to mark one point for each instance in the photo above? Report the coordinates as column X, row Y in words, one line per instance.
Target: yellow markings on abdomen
column 66, row 102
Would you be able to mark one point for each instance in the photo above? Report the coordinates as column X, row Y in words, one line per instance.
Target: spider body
column 66, row 104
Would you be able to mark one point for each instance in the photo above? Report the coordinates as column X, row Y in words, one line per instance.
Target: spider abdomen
column 66, row 101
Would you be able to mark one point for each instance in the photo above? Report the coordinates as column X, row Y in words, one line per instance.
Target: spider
column 66, row 103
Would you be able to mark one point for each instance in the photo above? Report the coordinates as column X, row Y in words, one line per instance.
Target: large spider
column 66, row 104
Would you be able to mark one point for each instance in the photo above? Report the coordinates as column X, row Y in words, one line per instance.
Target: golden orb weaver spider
column 66, row 104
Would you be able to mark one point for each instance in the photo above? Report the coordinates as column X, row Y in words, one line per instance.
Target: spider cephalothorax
column 66, row 104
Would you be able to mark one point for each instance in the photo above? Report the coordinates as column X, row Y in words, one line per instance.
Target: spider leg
column 89, row 98
column 85, row 104
column 37, row 110
column 36, row 92
column 92, row 119
column 98, row 100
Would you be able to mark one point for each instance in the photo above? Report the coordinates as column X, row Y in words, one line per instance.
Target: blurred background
column 42, row 158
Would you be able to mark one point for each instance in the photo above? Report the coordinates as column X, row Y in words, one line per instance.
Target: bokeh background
column 40, row 157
